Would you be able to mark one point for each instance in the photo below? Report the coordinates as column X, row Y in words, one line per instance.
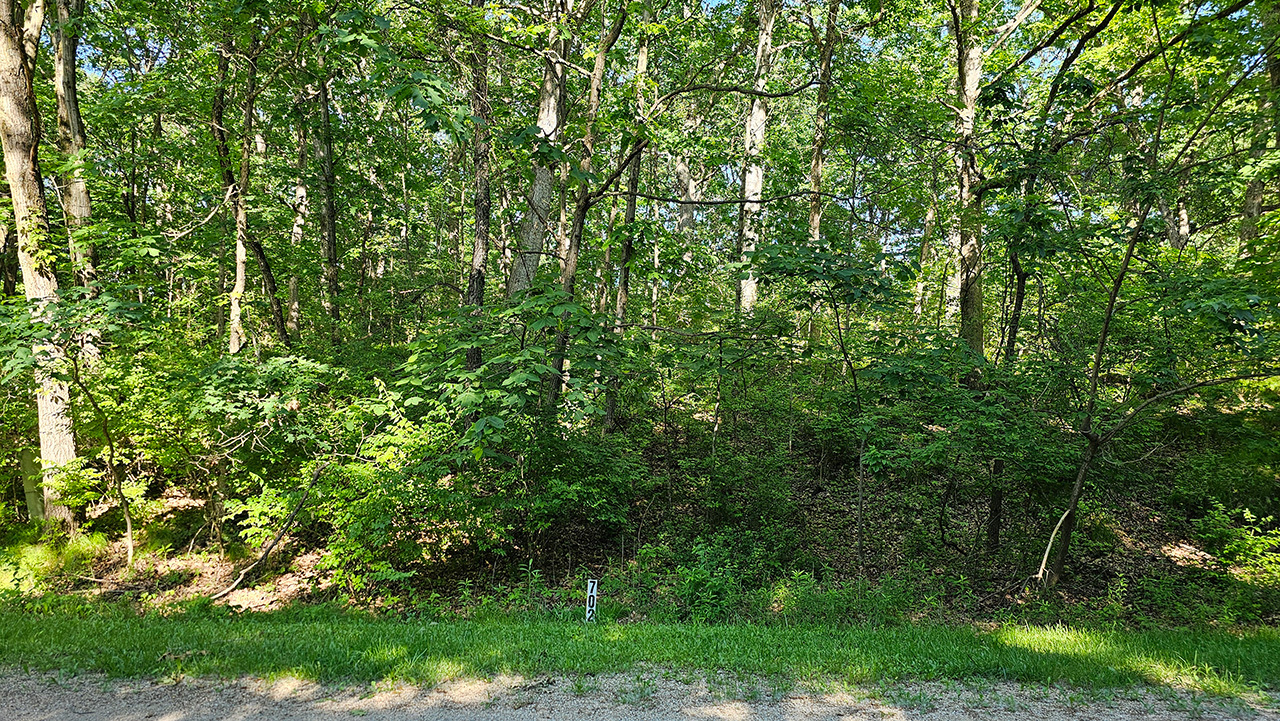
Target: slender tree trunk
column 628, row 242
column 506, row 258
column 71, row 138
column 219, row 313
column 20, row 134
column 584, row 198
column 1067, row 522
column 233, row 193
column 930, row 223
column 536, row 221
column 72, row 144
column 1268, row 115
column 8, row 255
column 604, row 271
column 1015, row 315
column 482, row 200
column 655, row 285
column 820, row 119
column 969, row 61
column 688, row 189
column 31, row 485
column 243, row 238
column 628, row 238
column 751, row 216
column 331, row 297
column 1177, row 223
column 294, row 319
column 562, row 226
column 297, row 233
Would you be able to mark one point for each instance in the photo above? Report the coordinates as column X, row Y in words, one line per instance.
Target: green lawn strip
column 335, row 647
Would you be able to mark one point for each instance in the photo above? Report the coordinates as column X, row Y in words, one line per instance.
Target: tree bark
column 930, row 222
column 31, row 485
column 331, row 297
column 628, row 242
column 688, row 189
column 482, row 202
column 297, row 233
column 71, row 138
column 8, row 256
column 243, row 239
column 1268, row 115
column 750, row 217
column 584, row 199
column 222, row 145
column 20, row 133
column 628, row 238
column 536, row 221
column 969, row 62
column 820, row 119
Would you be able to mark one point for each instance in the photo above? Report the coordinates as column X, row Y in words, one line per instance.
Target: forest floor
column 647, row 694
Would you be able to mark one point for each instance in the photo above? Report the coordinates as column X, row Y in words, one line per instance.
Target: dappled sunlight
column 465, row 691
column 1115, row 652
column 726, row 710
column 291, row 687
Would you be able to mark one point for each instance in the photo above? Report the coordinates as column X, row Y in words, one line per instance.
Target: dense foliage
column 874, row 309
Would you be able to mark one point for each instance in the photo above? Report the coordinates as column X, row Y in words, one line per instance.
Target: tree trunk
column 750, row 218
column 71, row 138
column 482, row 201
column 604, row 271
column 20, row 133
column 536, row 221
column 232, row 192
column 584, row 199
column 930, row 222
column 964, row 20
column 8, row 257
column 628, row 237
column 1268, row 115
column 1015, row 315
column 243, row 239
column 294, row 319
column 624, row 282
column 820, row 119
column 628, row 242
column 71, row 135
column 297, row 233
column 688, row 189
column 331, row 296
column 1067, row 522
column 31, row 485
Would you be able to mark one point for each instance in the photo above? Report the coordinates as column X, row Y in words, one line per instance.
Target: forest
column 855, row 310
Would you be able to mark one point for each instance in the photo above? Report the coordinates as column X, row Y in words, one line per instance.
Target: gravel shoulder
column 648, row 695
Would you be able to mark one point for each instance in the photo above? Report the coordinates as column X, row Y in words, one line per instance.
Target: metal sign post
column 593, row 586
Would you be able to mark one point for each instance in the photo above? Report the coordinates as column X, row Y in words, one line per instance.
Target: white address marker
column 593, row 586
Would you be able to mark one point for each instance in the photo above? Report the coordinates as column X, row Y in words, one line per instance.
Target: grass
column 24, row 558
column 329, row 645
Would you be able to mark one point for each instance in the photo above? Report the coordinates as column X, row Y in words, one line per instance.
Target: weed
column 641, row 694
column 584, row 685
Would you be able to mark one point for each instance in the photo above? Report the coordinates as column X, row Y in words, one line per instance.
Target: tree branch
column 280, row 534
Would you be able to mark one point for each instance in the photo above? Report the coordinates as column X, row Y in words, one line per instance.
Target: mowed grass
column 331, row 646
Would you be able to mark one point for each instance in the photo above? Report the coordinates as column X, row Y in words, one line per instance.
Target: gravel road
column 650, row 695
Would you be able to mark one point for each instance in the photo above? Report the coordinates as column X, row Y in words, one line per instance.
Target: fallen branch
column 280, row 534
